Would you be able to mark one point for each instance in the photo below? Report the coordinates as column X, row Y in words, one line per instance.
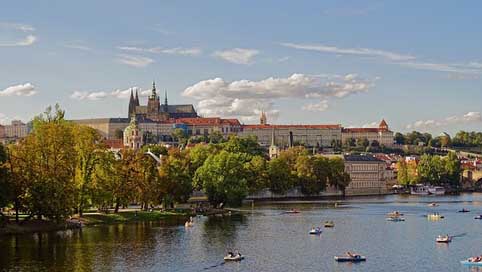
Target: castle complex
column 155, row 111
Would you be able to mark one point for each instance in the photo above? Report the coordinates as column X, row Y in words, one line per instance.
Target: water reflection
column 270, row 240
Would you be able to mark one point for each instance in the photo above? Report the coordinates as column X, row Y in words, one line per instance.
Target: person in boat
column 231, row 254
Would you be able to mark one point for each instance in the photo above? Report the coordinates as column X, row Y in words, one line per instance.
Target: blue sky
column 418, row 64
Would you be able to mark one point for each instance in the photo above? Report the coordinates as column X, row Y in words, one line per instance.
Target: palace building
column 382, row 134
column 156, row 111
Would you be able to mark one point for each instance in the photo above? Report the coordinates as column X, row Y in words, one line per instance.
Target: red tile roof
column 292, row 126
column 208, row 121
column 114, row 143
column 362, row 130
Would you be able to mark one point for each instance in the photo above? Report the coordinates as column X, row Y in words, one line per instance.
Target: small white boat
column 434, row 216
column 394, row 214
column 443, row 239
column 395, row 219
column 350, row 257
column 433, row 204
column 315, row 231
column 233, row 257
column 478, row 217
column 472, row 261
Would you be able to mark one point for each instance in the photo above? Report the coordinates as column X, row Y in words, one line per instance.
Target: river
column 270, row 240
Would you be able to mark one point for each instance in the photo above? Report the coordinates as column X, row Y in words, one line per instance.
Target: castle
column 157, row 112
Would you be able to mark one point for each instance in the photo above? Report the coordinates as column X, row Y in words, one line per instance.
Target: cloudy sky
column 418, row 64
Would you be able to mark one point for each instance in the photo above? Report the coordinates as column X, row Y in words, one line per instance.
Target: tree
column 156, row 149
column 175, row 178
column 216, row 137
column 179, row 135
column 452, row 169
column 337, row 176
column 223, row 178
column 257, row 174
column 312, row 174
column 5, row 181
column 119, row 134
column 280, row 175
column 430, row 169
column 248, row 145
column 407, row 173
column 87, row 148
column 399, row 138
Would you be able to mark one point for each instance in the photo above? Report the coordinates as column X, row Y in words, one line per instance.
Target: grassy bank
column 90, row 219
column 130, row 216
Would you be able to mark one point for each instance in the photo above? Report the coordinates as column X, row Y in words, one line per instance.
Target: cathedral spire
column 165, row 98
column 137, row 98
column 153, row 89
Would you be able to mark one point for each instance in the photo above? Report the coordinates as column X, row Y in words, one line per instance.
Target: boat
column 231, row 257
column 350, row 257
column 434, row 216
column 419, row 190
column 293, row 211
column 464, row 210
column 395, row 219
column 478, row 217
column 472, row 261
column 443, row 239
column 394, row 214
column 433, row 204
column 436, row 190
column 315, row 231
column 329, row 224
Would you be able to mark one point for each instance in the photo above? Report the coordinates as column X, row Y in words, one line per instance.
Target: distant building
column 107, row 127
column 383, row 135
column 133, row 136
column 157, row 112
column 367, row 173
column 262, row 119
column 273, row 148
column 16, row 130
column 206, row 126
column 2, row 132
column 287, row 135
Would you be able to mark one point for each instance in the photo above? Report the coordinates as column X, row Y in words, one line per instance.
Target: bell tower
column 153, row 104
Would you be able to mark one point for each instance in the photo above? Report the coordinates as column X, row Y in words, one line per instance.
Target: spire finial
column 165, row 97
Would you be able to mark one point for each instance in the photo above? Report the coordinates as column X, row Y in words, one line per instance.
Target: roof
column 361, row 158
column 293, row 126
column 208, row 121
column 114, row 143
column 365, row 130
column 383, row 123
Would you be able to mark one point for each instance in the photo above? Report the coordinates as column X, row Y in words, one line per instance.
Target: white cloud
column 159, row 50
column 88, row 95
column 135, row 61
column 351, row 51
column 470, row 117
column 24, row 41
column 100, row 95
column 26, row 89
column 404, row 60
column 245, row 98
column 320, row 106
column 237, row 55
column 77, row 45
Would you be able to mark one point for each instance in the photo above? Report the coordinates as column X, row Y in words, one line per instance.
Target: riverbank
column 91, row 219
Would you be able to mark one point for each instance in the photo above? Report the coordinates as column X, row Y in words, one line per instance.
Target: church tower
column 273, row 148
column 262, row 119
column 153, row 104
column 165, row 107
column 132, row 106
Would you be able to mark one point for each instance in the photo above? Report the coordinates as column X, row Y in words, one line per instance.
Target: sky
column 417, row 64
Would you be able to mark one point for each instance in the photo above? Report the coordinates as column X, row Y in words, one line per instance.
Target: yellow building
column 367, row 173
column 383, row 135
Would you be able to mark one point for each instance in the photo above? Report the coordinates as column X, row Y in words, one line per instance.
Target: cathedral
column 156, row 111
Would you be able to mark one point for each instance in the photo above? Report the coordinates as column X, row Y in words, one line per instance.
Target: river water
column 270, row 240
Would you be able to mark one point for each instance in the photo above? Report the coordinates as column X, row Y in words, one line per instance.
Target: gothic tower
column 153, row 104
column 262, row 119
column 165, row 107
column 132, row 106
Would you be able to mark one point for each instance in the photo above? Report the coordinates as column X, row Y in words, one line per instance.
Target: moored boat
column 436, row 190
column 419, row 190
column 433, row 204
column 464, row 210
column 293, row 211
column 350, row 257
column 443, row 239
column 478, row 217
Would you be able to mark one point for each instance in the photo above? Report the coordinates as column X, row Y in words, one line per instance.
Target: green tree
column 280, row 176
column 179, row 135
column 223, row 178
column 257, row 174
column 119, row 134
column 399, row 138
column 5, row 181
column 175, row 178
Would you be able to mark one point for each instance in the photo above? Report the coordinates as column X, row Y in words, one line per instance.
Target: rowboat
column 394, row 214
column 315, row 231
column 329, row 224
column 350, row 257
column 395, row 219
column 472, row 261
column 233, row 257
column 443, row 239
column 464, row 210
